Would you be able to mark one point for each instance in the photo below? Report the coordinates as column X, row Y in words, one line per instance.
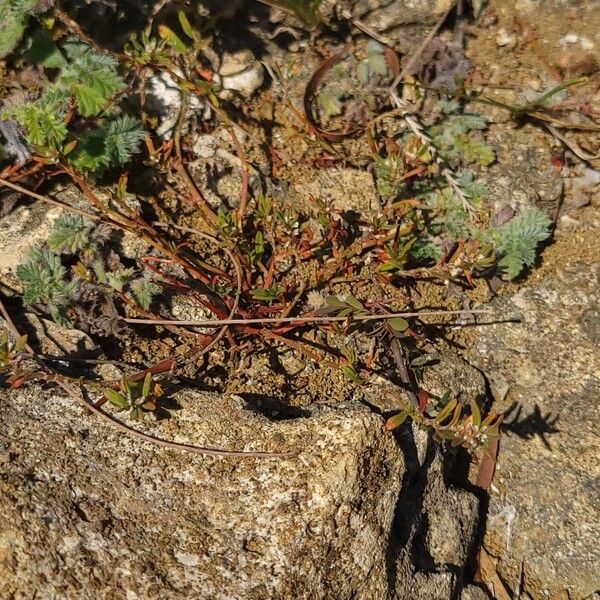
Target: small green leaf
column 20, row 343
column 354, row 303
column 116, row 398
column 172, row 39
column 136, row 414
column 330, row 104
column 476, row 414
column 147, row 386
column 445, row 412
column 43, row 51
column 398, row 324
column 187, row 26
column 395, row 421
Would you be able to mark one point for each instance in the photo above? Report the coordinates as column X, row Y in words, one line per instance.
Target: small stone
column 569, row 38
column 163, row 99
column 187, row 560
column 503, row 38
column 206, row 146
column 240, row 72
column 586, row 44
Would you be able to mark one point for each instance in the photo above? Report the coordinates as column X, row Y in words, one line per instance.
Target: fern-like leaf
column 70, row 234
column 142, row 291
column 43, row 120
column 123, row 139
column 112, row 144
column 519, row 239
column 44, row 279
column 14, row 15
column 91, row 78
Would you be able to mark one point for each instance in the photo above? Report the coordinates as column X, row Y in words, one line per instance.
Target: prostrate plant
column 136, row 396
column 517, row 240
column 441, row 229
column 450, row 422
column 85, row 296
column 85, row 86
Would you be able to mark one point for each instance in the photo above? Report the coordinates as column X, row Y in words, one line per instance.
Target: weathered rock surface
column 90, row 513
column 545, row 512
column 387, row 15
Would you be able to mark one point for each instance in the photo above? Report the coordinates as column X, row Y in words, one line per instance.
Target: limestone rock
column 89, row 513
column 545, row 510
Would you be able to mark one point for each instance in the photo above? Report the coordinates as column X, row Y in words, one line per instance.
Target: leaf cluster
column 135, row 396
column 10, row 352
column 85, row 294
column 71, row 121
column 14, row 15
column 454, row 137
column 452, row 423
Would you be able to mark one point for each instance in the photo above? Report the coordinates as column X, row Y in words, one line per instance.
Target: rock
column 447, row 372
column 55, row 340
column 544, row 511
column 388, row 15
column 205, row 146
column 523, row 174
column 472, row 592
column 87, row 508
column 348, row 190
column 220, row 177
column 130, row 517
column 163, row 100
column 236, row 72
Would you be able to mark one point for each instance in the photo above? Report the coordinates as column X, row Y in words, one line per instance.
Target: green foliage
column 43, row 120
column 111, row 144
column 89, row 80
column 518, row 239
column 453, row 138
column 43, row 51
column 388, row 174
column 10, row 352
column 70, row 234
column 267, row 294
column 342, row 306
column 45, row 283
column 374, row 65
column 143, row 290
column 452, row 423
column 14, row 15
column 89, row 77
column 135, row 396
column 330, row 104
column 88, row 286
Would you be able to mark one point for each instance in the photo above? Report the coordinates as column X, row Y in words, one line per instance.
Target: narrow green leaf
column 172, row 39
column 445, row 412
column 476, row 414
column 395, row 421
column 147, row 387
column 116, row 398
column 187, row 26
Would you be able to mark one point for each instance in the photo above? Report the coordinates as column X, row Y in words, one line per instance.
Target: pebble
column 503, row 38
